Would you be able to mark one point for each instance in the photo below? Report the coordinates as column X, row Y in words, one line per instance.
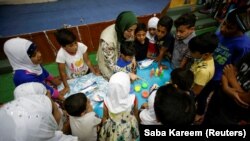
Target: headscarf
column 118, row 98
column 148, row 116
column 152, row 22
column 29, row 118
column 31, row 88
column 16, row 51
column 123, row 22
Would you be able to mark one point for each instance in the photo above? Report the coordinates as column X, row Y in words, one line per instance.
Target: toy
column 137, row 88
column 145, row 94
column 144, row 85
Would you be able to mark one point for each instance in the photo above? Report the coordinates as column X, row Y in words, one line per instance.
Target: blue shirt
column 122, row 63
column 229, row 51
column 23, row 76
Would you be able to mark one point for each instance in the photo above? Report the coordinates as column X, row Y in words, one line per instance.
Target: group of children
column 197, row 61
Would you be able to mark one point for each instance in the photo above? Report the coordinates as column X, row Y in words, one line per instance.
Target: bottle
column 152, row 72
column 156, row 72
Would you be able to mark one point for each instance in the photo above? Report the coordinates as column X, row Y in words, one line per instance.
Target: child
column 119, row 110
column 26, row 61
column 164, row 39
column 233, row 44
column 202, row 48
column 127, row 54
column 83, row 122
column 141, row 42
column 173, row 107
column 72, row 57
column 151, row 33
column 182, row 79
column 233, row 100
column 185, row 31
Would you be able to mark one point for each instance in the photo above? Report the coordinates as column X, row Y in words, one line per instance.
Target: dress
column 120, row 127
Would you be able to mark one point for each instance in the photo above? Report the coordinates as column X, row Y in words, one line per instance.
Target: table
column 76, row 85
column 145, row 74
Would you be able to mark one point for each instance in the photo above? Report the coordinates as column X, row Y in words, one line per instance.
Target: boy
column 72, row 57
column 141, row 43
column 127, row 54
column 83, row 122
column 164, row 39
column 173, row 106
column 185, row 31
column 233, row 44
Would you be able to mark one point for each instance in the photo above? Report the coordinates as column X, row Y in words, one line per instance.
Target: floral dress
column 120, row 127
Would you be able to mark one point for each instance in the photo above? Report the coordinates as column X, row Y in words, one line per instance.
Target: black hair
column 141, row 27
column 239, row 18
column 127, row 48
column 173, row 107
column 75, row 104
column 166, row 22
column 32, row 50
column 183, row 78
column 188, row 19
column 204, row 43
column 64, row 36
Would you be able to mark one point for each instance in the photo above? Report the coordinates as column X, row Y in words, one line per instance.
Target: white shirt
column 84, row 127
column 75, row 65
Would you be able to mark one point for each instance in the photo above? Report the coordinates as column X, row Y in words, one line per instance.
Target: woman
column 110, row 41
column 31, row 117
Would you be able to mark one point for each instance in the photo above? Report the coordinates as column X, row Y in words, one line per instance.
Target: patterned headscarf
column 123, row 22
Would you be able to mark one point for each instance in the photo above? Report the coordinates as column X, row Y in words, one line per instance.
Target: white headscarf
column 152, row 22
column 147, row 116
column 31, row 88
column 118, row 98
column 16, row 51
column 29, row 118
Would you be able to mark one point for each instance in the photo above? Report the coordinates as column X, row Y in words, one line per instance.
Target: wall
column 46, row 42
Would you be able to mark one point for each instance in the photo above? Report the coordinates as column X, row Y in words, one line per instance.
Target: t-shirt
column 181, row 50
column 166, row 42
column 243, row 75
column 75, row 65
column 141, row 50
column 24, row 76
column 203, row 71
column 124, row 64
column 229, row 50
column 85, row 127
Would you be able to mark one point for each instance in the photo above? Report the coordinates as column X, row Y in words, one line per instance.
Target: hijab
column 123, row 22
column 148, row 116
column 118, row 98
column 29, row 118
column 31, row 88
column 16, row 50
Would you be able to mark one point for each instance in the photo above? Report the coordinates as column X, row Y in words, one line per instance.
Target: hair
column 173, row 107
column 141, row 27
column 204, row 43
column 75, row 104
column 64, row 36
column 183, row 78
column 166, row 22
column 32, row 50
column 128, row 49
column 239, row 18
column 188, row 19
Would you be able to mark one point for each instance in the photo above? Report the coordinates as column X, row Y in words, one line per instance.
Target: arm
column 62, row 71
column 159, row 58
column 184, row 61
column 233, row 92
column 197, row 89
column 105, row 113
column 87, row 61
column 136, row 113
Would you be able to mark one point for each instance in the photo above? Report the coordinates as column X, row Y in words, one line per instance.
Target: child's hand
column 144, row 105
column 97, row 71
column 64, row 91
column 133, row 76
column 163, row 66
